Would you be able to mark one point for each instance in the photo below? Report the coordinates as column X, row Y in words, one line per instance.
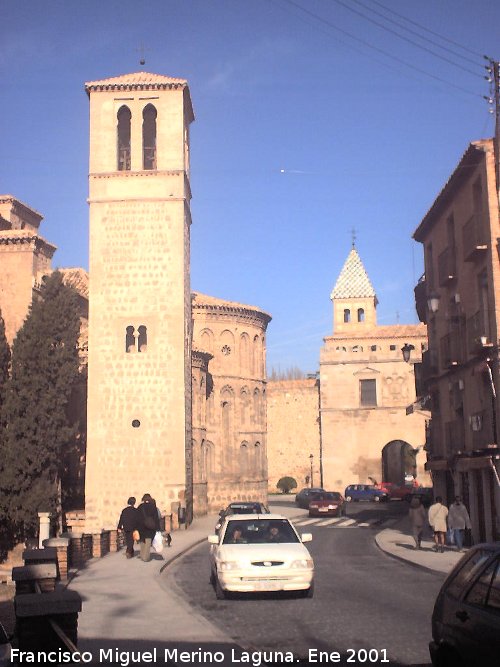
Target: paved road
column 363, row 599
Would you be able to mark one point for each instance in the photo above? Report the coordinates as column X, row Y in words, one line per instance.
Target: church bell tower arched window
column 149, row 137
column 124, row 117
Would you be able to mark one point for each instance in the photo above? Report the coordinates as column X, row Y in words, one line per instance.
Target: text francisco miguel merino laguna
column 174, row 655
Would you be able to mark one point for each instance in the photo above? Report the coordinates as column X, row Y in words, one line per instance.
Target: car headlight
column 332, row 507
column 302, row 564
column 226, row 565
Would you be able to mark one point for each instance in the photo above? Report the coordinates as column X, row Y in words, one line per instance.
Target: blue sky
column 310, row 121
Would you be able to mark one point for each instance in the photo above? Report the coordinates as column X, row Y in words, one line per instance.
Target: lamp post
column 407, row 350
column 311, row 459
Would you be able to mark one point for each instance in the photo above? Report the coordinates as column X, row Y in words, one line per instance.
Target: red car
column 396, row 492
column 327, row 503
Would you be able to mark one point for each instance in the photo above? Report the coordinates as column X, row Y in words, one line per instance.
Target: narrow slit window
column 130, row 339
column 347, row 315
column 149, row 137
column 143, row 338
column 124, row 117
column 361, row 315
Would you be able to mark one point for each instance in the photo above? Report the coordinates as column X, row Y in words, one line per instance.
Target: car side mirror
column 213, row 539
column 306, row 537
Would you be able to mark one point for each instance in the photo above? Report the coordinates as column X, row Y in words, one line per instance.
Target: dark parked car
column 5, row 648
column 466, row 617
column 364, row 492
column 240, row 508
column 303, row 496
column 327, row 503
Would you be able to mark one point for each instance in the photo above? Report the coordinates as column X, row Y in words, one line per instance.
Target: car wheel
column 220, row 593
column 376, row 499
column 348, row 499
column 212, row 577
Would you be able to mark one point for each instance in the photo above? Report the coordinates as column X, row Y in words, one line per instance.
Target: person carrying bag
column 149, row 524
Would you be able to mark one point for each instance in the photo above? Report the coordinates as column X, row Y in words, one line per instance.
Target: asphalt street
column 367, row 606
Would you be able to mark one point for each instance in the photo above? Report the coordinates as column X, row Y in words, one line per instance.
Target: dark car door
column 471, row 611
column 480, row 617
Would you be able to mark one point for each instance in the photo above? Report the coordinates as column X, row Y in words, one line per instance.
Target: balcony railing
column 447, row 266
column 454, row 436
column 124, row 159
column 434, row 444
column 430, row 368
column 452, row 347
column 474, row 237
column 481, row 425
column 149, row 157
column 477, row 336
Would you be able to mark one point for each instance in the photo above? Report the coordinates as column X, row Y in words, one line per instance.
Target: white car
column 260, row 553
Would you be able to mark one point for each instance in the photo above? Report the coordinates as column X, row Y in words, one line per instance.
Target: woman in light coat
column 418, row 517
column 438, row 513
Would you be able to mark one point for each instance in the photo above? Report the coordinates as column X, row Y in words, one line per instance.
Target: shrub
column 286, row 484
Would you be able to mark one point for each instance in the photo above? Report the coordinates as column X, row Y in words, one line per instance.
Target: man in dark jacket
column 128, row 523
column 149, row 523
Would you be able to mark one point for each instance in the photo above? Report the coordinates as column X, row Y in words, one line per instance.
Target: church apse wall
column 232, row 459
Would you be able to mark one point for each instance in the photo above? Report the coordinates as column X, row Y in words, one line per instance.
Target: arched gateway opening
column 399, row 462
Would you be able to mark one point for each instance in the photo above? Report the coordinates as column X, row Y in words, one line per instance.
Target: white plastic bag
column 157, row 542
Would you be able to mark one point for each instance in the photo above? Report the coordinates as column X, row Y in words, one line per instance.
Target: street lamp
column 311, row 459
column 433, row 302
column 406, row 350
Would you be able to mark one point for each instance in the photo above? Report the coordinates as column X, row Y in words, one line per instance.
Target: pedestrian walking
column 127, row 523
column 438, row 514
column 458, row 521
column 418, row 517
column 149, row 523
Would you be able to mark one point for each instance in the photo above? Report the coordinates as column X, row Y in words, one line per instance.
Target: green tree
column 286, row 484
column 35, row 412
column 4, row 360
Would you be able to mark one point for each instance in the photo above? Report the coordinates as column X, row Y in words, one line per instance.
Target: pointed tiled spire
column 353, row 281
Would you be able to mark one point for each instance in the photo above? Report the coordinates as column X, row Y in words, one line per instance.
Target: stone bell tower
column 139, row 385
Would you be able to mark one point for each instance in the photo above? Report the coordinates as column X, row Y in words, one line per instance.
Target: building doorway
column 399, row 463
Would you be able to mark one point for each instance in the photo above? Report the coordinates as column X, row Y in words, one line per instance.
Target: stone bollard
column 33, row 615
column 44, row 527
column 27, row 577
column 61, row 545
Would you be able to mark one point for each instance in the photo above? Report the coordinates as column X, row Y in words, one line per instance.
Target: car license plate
column 323, row 509
column 267, row 586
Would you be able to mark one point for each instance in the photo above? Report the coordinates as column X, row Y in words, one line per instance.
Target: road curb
column 411, row 563
column 179, row 554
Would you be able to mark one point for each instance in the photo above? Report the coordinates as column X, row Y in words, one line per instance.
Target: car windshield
column 260, row 531
column 243, row 509
column 328, row 496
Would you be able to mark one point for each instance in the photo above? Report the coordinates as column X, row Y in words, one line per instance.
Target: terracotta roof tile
column 203, row 300
column 135, row 79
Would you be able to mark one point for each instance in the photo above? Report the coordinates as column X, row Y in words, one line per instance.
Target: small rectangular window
column 368, row 392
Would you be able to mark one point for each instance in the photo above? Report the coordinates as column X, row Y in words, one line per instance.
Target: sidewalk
column 398, row 543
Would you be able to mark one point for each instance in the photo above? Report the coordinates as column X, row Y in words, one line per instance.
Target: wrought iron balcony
column 447, row 270
column 475, row 240
column 420, row 291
